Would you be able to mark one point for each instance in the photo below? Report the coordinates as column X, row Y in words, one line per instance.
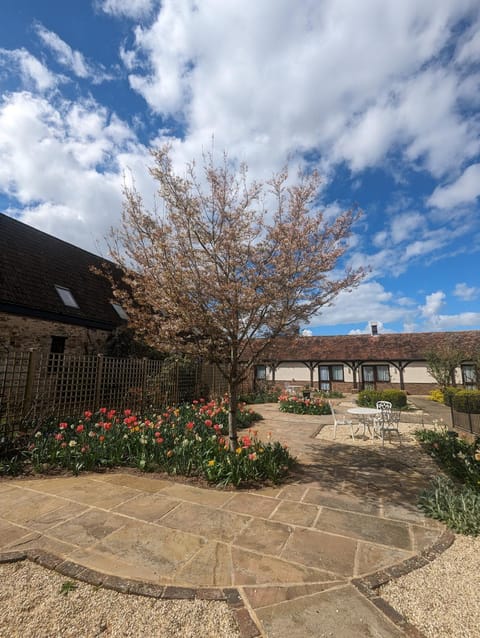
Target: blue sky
column 382, row 97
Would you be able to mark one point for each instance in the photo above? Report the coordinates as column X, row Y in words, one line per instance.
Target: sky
column 381, row 97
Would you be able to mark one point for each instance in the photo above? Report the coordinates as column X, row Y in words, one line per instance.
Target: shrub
column 295, row 405
column 448, row 394
column 466, row 401
column 398, row 398
column 190, row 440
column 457, row 506
column 436, row 395
column 369, row 398
column 262, row 396
column 460, row 459
column 12, row 456
column 331, row 394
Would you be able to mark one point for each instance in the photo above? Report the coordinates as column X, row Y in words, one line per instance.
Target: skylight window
column 120, row 311
column 67, row 297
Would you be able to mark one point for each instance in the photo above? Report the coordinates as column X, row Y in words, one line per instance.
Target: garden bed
column 189, row 440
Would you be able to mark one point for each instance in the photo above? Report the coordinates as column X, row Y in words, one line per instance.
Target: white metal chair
column 387, row 423
column 340, row 421
column 383, row 405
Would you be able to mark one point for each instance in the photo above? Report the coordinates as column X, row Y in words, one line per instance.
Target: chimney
column 374, row 328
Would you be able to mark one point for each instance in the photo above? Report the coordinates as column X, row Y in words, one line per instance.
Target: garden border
column 369, row 585
column 231, row 595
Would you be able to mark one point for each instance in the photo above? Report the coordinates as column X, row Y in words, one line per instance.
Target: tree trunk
column 232, row 414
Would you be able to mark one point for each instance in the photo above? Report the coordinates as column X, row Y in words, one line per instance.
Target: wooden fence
column 35, row 385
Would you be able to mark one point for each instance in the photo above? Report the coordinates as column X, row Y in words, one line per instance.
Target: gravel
column 32, row 606
column 441, row 599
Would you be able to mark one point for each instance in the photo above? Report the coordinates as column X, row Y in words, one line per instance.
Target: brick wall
column 22, row 333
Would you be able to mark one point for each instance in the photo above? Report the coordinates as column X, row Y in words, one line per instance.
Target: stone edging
column 230, row 595
column 369, row 585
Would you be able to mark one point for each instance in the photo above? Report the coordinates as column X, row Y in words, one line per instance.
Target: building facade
column 51, row 297
column 351, row 363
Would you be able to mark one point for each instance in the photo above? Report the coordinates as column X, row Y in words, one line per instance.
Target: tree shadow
column 366, row 474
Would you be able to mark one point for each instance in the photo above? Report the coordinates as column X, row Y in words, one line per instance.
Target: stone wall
column 22, row 333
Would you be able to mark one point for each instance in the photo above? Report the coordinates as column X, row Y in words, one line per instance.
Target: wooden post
column 144, row 383
column 33, row 358
column 99, row 381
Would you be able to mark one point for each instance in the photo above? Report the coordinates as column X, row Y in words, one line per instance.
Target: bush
column 436, row 395
column 262, row 396
column 190, row 440
column 456, row 506
column 466, row 401
column 398, row 398
column 331, row 394
column 369, row 398
column 12, row 456
column 449, row 393
column 460, row 459
column 295, row 405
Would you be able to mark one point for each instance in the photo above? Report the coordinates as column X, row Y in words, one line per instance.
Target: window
column 57, row 348
column 67, row 297
column 328, row 374
column 374, row 374
column 57, row 345
column 469, row 376
column 383, row 373
column 337, row 373
column 120, row 311
column 260, row 373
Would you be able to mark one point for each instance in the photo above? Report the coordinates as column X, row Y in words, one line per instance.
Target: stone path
column 292, row 552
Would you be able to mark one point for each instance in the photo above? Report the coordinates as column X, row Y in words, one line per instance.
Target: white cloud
column 368, row 329
column 368, row 302
column 64, row 165
column 466, row 293
column 467, row 320
column 69, row 58
column 306, row 333
column 30, row 68
column 435, row 321
column 432, row 305
column 127, row 8
column 463, row 191
column 345, row 98
column 406, row 226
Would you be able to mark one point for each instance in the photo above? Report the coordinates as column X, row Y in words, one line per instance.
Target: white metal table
column 366, row 416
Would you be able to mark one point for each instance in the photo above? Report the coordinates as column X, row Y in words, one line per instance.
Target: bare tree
column 214, row 270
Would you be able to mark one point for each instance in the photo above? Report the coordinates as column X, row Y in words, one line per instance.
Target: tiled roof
column 384, row 347
column 32, row 263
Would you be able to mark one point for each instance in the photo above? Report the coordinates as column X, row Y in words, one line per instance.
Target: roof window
column 120, row 311
column 67, row 297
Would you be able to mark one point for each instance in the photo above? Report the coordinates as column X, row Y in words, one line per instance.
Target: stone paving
column 292, row 551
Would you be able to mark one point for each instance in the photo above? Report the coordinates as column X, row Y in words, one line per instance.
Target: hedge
column 369, row 398
column 466, row 401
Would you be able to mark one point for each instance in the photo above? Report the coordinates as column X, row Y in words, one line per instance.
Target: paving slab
column 291, row 550
column 334, row 613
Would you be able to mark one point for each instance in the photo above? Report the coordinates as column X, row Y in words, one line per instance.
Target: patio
column 290, row 558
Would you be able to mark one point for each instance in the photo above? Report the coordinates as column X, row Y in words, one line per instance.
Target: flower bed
column 455, row 502
column 190, row 440
column 296, row 405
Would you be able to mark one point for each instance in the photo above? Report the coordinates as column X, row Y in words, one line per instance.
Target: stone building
column 49, row 297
